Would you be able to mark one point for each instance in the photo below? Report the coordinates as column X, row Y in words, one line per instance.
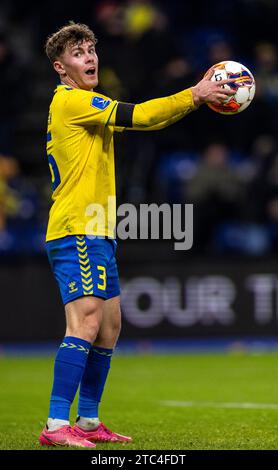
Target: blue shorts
column 84, row 266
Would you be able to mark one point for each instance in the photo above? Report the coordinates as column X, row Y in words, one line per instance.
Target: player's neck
column 69, row 82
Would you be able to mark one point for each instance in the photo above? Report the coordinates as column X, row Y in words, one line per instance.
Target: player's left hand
column 208, row 91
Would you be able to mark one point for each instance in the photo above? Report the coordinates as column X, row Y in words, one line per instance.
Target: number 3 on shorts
column 102, row 276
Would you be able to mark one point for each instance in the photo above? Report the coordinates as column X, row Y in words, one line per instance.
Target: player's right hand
column 207, row 91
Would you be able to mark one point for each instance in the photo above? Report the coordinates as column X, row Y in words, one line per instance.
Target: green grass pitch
column 173, row 402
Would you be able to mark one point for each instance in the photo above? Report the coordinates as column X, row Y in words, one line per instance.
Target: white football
column 244, row 86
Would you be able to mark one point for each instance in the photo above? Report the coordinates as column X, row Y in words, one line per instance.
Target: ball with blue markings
column 244, row 86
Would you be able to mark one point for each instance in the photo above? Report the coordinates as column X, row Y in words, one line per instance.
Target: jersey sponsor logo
column 100, row 103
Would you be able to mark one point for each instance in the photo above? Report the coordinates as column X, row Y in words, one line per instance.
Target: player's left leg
column 98, row 362
column 93, row 381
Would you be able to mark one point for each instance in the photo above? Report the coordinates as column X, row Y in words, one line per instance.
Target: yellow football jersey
column 81, row 154
column 81, row 158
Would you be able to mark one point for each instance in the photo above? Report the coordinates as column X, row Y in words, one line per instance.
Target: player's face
column 79, row 66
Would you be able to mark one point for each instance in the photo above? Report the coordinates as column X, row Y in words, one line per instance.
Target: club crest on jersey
column 100, row 103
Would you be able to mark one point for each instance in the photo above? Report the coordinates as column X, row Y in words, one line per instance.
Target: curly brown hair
column 70, row 34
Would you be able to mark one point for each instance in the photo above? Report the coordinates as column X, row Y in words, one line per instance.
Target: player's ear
column 58, row 67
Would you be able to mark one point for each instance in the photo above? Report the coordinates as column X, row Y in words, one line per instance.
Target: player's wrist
column 196, row 96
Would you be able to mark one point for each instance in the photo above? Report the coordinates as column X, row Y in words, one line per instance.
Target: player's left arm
column 153, row 114
column 163, row 124
column 156, row 127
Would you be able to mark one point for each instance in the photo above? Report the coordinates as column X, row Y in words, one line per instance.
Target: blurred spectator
column 263, row 155
column 142, row 16
column 267, row 71
column 272, row 223
column 19, row 210
column 214, row 176
column 241, row 238
column 216, row 192
column 11, row 80
column 220, row 50
column 9, row 201
column 266, row 75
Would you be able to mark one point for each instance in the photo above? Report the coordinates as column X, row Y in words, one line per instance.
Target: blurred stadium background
column 221, row 293
column 221, row 296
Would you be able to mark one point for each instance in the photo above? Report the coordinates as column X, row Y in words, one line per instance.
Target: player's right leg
column 83, row 320
column 83, row 316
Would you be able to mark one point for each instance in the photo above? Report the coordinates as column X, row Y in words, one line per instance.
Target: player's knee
column 111, row 332
column 84, row 320
column 92, row 321
column 116, row 325
column 114, row 331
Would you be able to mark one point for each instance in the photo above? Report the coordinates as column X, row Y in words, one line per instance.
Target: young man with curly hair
column 80, row 152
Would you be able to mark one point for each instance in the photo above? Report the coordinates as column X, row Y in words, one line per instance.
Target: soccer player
column 80, row 152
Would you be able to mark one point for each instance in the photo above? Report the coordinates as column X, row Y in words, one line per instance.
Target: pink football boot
column 64, row 436
column 101, row 434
